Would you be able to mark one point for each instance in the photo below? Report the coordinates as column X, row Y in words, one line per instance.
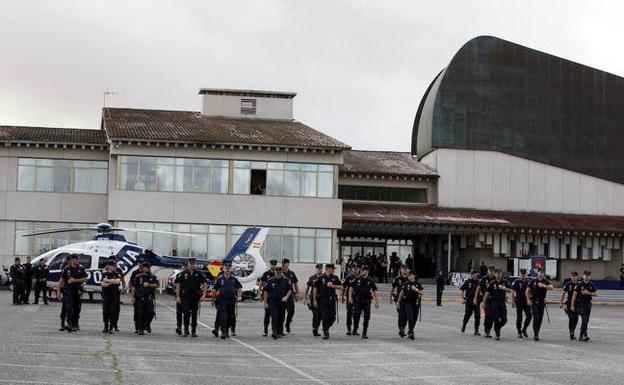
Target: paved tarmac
column 33, row 351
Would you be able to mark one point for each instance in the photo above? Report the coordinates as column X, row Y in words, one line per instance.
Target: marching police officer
column 325, row 299
column 192, row 287
column 17, row 274
column 41, row 273
column 135, row 273
column 70, row 284
column 536, row 298
column 111, row 281
column 484, row 282
column 582, row 302
column 395, row 292
column 28, row 275
column 143, row 291
column 228, row 291
column 496, row 297
column 519, row 301
column 263, row 280
column 346, row 292
column 277, row 292
column 410, row 297
column 569, row 288
column 440, row 281
column 179, row 309
column 362, row 290
column 309, row 300
column 294, row 281
column 468, row 289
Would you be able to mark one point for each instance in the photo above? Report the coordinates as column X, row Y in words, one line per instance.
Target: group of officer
column 22, row 276
column 488, row 296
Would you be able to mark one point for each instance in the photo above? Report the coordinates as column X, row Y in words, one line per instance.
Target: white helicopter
column 245, row 256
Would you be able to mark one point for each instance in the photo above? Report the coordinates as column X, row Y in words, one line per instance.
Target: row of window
column 60, row 175
column 388, row 194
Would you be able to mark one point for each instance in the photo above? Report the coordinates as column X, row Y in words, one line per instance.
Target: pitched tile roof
column 429, row 215
column 23, row 134
column 388, row 163
column 192, row 127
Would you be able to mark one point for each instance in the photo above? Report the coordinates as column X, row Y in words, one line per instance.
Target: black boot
column 410, row 335
column 62, row 329
column 572, row 337
column 348, row 330
column 315, row 333
column 178, row 330
column 194, row 332
column 105, row 328
column 463, row 328
column 215, row 332
column 364, row 336
column 186, row 332
column 355, row 332
column 325, row 335
column 402, row 333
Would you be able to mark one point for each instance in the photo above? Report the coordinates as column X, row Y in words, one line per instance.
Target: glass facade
column 210, row 241
column 39, row 244
column 388, row 194
column 145, row 173
column 61, row 175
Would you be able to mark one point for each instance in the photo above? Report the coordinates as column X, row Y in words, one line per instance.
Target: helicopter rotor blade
column 172, row 233
column 59, row 230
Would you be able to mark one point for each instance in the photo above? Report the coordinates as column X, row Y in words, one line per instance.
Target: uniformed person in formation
column 536, row 298
column 41, row 274
column 135, row 273
column 467, row 292
column 496, row 297
column 362, row 291
column 18, row 277
column 411, row 298
column 111, row 282
column 191, row 289
column 28, row 275
column 309, row 300
column 69, row 288
column 143, row 291
column 567, row 293
column 325, row 298
column 519, row 302
column 346, row 291
column 276, row 295
column 395, row 292
column 294, row 281
column 227, row 291
column 582, row 302
column 179, row 309
column 484, row 282
column 263, row 280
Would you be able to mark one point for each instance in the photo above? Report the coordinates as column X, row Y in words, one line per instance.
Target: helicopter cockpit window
column 85, row 261
column 102, row 261
column 57, row 262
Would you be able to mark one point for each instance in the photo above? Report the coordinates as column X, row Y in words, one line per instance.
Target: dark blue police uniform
column 363, row 288
column 498, row 306
column 569, row 288
column 276, row 289
column 397, row 284
column 110, row 302
column 327, row 300
column 346, row 288
column 411, row 301
column 316, row 314
column 72, row 295
column 191, row 283
column 519, row 287
column 145, row 301
column 584, row 305
column 470, row 309
column 227, row 288
column 538, row 298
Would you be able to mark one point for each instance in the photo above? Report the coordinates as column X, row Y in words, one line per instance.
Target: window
column 102, row 262
column 285, row 179
column 142, row 173
column 57, row 262
column 390, row 194
column 61, row 175
column 299, row 245
column 248, row 106
column 85, row 260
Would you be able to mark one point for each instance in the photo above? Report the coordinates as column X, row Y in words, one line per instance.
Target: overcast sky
column 360, row 68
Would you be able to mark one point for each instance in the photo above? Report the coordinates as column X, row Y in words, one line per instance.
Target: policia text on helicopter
column 487, row 294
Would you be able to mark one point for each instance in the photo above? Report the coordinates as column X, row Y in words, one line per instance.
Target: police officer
column 309, row 300
column 179, row 310
column 228, row 291
column 467, row 292
column 263, row 280
column 69, row 289
column 17, row 274
column 536, row 298
column 111, row 281
column 362, row 290
column 143, row 291
column 582, row 302
column 135, row 273
column 410, row 297
column 191, row 289
column 440, row 281
column 519, row 302
column 484, row 282
column 121, row 274
column 277, row 292
column 28, row 275
column 395, row 292
column 324, row 296
column 569, row 288
column 41, row 273
column 294, row 281
column 496, row 296
column 346, row 292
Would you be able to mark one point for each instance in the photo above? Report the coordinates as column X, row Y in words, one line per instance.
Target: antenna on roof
column 105, row 95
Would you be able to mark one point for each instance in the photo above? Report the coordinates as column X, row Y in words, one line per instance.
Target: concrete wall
column 496, row 181
column 228, row 105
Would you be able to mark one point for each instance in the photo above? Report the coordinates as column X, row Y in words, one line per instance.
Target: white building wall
column 230, row 106
column 496, row 181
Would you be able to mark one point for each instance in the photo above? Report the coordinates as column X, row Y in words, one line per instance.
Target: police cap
column 587, row 272
column 574, row 274
column 192, row 260
column 522, row 271
column 273, row 262
column 491, row 268
column 412, row 272
column 17, row 259
column 319, row 265
column 330, row 266
column 356, row 266
column 227, row 264
column 285, row 260
column 474, row 272
column 110, row 263
column 146, row 264
column 72, row 256
column 365, row 267
column 279, row 269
